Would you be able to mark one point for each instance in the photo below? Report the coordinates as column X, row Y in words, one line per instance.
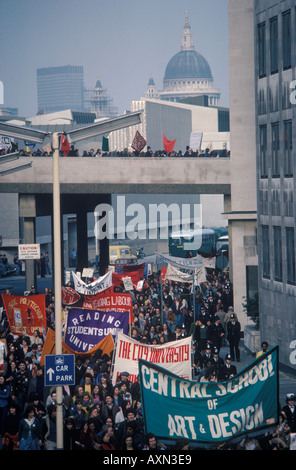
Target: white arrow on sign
column 51, row 373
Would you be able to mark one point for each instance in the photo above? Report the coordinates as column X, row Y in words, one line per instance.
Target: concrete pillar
column 82, row 240
column 27, row 205
column 242, row 215
column 227, row 209
column 104, row 245
column 104, row 256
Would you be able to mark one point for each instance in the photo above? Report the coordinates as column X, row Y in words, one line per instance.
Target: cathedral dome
column 188, row 64
column 187, row 75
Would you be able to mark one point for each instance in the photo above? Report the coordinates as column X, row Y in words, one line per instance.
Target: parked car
column 6, row 269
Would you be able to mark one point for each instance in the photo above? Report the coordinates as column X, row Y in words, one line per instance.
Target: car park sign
column 59, row 369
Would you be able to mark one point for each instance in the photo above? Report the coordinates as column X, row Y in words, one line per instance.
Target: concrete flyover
column 88, row 181
column 107, row 175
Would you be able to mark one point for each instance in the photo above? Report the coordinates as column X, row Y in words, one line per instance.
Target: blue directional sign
column 59, row 369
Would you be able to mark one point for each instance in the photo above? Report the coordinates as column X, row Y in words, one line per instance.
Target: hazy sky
column 121, row 41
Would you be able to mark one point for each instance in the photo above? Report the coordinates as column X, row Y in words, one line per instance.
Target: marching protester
column 103, row 409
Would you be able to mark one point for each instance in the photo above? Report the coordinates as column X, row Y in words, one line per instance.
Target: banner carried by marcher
column 94, row 287
column 86, row 328
column 106, row 346
column 185, row 263
column 107, row 301
column 210, row 413
column 118, row 278
column 174, row 274
column 25, row 313
column 175, row 356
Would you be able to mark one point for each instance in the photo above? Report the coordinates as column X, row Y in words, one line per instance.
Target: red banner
column 117, row 278
column 106, row 301
column 25, row 313
column 70, row 296
column 139, row 268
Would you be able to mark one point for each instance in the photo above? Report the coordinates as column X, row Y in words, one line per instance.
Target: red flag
column 139, row 142
column 168, row 145
column 65, row 146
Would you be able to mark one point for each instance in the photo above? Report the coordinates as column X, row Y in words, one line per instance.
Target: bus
column 178, row 242
column 222, row 252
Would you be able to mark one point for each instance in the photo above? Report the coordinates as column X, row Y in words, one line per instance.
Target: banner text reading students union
column 210, row 412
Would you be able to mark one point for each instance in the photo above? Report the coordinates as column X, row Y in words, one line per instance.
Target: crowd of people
column 148, row 152
column 98, row 415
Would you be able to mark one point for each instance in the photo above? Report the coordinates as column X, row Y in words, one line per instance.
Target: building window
column 263, row 151
column 290, row 254
column 261, row 50
column 288, row 147
column 275, row 135
column 286, row 40
column 277, row 247
column 286, row 103
column 265, row 252
column 274, row 45
column 261, row 102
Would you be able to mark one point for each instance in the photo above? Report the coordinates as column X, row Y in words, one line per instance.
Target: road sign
column 59, row 369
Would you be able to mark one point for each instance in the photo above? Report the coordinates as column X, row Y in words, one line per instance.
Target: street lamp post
column 57, row 279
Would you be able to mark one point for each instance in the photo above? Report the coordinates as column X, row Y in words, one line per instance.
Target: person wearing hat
column 33, row 291
column 124, row 377
column 182, row 444
column 216, row 332
column 233, row 336
column 228, row 371
column 228, row 315
column 218, row 364
column 204, row 316
column 206, row 354
column 289, row 409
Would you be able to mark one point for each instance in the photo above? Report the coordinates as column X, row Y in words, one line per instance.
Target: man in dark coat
column 290, row 409
column 233, row 336
column 228, row 370
column 216, row 333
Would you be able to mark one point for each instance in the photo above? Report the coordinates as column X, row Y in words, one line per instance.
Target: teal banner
column 210, row 413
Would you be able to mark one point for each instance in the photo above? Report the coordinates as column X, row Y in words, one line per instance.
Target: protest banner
column 3, row 353
column 25, row 313
column 185, row 263
column 118, row 278
column 86, row 328
column 174, row 274
column 107, row 301
column 175, row 356
column 94, row 287
column 70, row 296
column 106, row 346
column 210, row 413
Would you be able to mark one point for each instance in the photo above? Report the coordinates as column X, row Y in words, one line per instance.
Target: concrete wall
column 242, row 215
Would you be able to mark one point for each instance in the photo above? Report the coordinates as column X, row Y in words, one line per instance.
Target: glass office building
column 60, row 88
